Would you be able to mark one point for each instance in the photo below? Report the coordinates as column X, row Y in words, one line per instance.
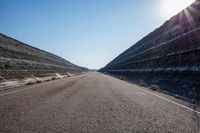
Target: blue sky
column 89, row 33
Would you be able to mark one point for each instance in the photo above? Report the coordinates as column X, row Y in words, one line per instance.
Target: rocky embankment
column 168, row 57
column 18, row 60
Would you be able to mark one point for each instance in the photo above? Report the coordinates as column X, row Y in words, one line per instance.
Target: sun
column 172, row 7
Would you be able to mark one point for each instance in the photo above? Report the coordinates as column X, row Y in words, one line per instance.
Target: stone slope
column 18, row 58
column 168, row 57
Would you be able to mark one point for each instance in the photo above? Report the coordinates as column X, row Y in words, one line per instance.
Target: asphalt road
column 93, row 103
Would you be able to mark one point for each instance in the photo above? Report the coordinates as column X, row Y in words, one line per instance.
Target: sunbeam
column 172, row 7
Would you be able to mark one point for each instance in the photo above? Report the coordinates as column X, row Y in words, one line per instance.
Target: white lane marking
column 178, row 104
column 11, row 92
column 183, row 106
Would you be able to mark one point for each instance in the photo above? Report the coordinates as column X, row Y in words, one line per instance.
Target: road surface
column 93, row 103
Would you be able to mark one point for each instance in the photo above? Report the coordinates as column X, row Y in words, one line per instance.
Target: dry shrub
column 39, row 81
column 30, row 83
column 53, row 78
column 142, row 83
column 154, row 87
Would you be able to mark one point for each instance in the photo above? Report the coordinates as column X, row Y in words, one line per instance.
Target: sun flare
column 172, row 7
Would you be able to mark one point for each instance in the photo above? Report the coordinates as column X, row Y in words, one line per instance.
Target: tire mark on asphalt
column 61, row 88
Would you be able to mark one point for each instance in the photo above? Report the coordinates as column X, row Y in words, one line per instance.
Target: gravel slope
column 18, row 59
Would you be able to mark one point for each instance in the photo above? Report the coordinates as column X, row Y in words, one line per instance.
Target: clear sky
column 89, row 33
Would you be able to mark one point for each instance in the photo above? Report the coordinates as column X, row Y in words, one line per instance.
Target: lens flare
column 172, row 7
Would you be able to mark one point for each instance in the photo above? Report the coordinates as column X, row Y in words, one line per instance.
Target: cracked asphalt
column 92, row 103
